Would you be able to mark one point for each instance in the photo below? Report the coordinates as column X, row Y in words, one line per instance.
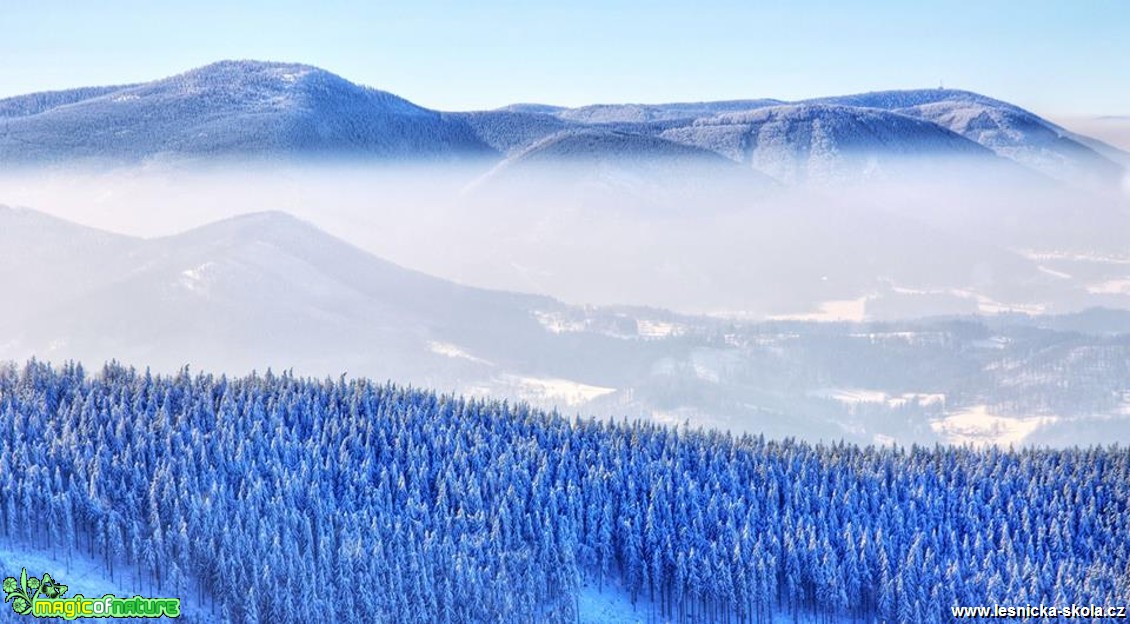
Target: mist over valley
column 676, row 262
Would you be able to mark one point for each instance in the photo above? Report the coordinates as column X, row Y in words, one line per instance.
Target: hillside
column 46, row 261
column 232, row 108
column 1026, row 139
column 826, row 143
column 1008, row 130
column 447, row 510
column 634, row 113
column 245, row 293
column 604, row 168
column 510, row 132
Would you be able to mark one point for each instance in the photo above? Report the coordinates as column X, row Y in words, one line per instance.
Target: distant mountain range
column 279, row 110
column 267, row 289
column 243, row 292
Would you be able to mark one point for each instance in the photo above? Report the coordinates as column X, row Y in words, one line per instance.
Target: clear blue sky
column 1057, row 58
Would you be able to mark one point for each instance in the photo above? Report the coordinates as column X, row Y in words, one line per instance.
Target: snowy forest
column 275, row 498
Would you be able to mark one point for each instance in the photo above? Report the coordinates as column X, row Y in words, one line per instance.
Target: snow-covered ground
column 659, row 329
column 612, row 605
column 909, row 337
column 81, row 575
column 645, row 328
column 836, row 310
column 851, row 396
column 1075, row 256
column 541, row 391
column 1052, row 272
column 87, row 576
column 1110, row 287
column 985, row 304
column 453, row 351
column 977, row 425
column 558, row 323
column 564, row 390
column 196, row 279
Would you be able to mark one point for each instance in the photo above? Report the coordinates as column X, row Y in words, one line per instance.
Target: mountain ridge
column 254, row 289
column 234, row 108
column 277, row 110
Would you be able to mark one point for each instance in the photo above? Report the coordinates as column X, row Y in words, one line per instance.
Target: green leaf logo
column 22, row 593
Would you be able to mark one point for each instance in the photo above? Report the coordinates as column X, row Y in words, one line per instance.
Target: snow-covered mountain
column 512, row 131
column 259, row 109
column 232, row 107
column 904, row 98
column 35, row 103
column 1005, row 128
column 842, row 128
column 612, row 146
column 1107, row 134
column 635, row 113
column 609, row 169
column 1026, row 139
column 46, row 261
column 248, row 292
column 825, row 143
column 610, row 114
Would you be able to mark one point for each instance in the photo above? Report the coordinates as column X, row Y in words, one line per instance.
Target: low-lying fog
column 1111, row 129
column 926, row 239
column 943, row 238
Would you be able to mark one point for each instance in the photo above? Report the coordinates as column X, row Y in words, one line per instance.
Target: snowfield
column 977, row 425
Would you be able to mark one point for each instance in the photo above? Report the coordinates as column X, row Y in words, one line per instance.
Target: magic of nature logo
column 44, row 597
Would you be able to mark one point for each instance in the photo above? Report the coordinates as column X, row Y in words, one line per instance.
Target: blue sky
column 1070, row 57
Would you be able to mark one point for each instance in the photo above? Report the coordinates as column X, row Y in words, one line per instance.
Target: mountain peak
column 253, row 65
column 243, row 71
column 262, row 82
column 601, row 143
column 905, row 98
column 267, row 225
column 236, row 107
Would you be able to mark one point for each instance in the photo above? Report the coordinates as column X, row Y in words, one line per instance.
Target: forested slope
column 290, row 500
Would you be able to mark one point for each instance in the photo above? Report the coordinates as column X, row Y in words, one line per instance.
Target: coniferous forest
column 274, row 498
